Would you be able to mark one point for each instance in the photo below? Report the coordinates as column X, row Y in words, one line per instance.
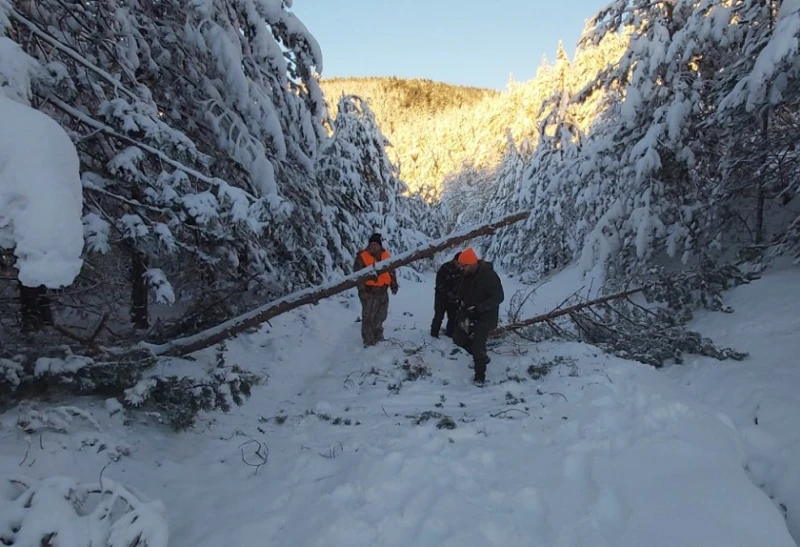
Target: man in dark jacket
column 446, row 296
column 479, row 311
column 374, row 293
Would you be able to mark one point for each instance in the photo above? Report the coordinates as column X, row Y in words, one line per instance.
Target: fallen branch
column 558, row 313
column 86, row 341
column 503, row 412
column 256, row 317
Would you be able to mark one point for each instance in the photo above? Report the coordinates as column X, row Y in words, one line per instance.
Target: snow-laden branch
column 100, row 126
column 115, row 83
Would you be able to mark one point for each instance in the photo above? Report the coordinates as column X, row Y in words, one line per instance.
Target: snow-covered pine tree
column 199, row 127
column 193, row 121
column 758, row 97
column 642, row 198
column 662, row 171
column 506, row 193
column 533, row 180
column 362, row 190
column 692, row 110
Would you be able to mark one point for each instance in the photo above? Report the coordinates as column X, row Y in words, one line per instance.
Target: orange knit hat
column 467, row 257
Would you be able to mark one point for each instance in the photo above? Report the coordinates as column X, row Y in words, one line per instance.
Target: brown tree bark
column 139, row 304
column 35, row 308
column 256, row 317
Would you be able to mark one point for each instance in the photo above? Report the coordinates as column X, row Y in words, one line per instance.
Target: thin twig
column 100, row 479
column 558, row 312
column 236, row 433
column 332, row 451
column 540, row 392
column 262, row 452
column 509, row 410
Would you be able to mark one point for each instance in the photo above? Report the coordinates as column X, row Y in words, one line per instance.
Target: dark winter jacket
column 448, row 281
column 484, row 290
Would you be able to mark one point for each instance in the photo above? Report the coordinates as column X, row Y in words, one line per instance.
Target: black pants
column 475, row 343
column 442, row 307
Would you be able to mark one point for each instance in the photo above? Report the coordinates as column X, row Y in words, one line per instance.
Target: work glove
column 394, row 290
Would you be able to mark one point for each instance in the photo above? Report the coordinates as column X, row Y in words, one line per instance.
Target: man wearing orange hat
column 479, row 312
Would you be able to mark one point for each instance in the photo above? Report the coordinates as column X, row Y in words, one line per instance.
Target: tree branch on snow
column 254, row 318
column 618, row 325
column 549, row 316
column 130, row 377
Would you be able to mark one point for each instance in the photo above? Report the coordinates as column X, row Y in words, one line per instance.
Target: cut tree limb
column 86, row 341
column 559, row 312
column 254, row 318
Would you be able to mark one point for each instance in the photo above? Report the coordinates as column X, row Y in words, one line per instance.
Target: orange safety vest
column 384, row 279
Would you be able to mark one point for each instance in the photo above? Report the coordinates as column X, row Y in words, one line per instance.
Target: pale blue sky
column 467, row 42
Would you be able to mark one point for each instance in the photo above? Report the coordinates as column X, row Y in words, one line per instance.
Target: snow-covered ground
column 762, row 394
column 393, row 445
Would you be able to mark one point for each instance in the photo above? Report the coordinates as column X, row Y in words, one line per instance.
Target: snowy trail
column 600, row 452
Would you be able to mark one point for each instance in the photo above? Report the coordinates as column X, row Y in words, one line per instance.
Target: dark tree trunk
column 139, row 311
column 34, row 308
column 762, row 181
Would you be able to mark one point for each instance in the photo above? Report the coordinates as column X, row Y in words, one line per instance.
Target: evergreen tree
column 199, row 128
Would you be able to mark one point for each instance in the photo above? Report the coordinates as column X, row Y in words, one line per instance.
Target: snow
column 40, row 197
column 15, row 68
column 157, row 280
column 343, row 446
column 53, row 365
column 57, row 506
column 96, row 232
column 759, row 395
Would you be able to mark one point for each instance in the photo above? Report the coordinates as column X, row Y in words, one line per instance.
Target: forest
column 176, row 174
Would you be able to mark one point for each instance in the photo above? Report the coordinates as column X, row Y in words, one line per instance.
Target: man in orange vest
column 374, row 293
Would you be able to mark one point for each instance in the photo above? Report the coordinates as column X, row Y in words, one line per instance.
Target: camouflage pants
column 374, row 309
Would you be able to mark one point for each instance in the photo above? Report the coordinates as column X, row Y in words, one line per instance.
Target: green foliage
column 686, row 291
column 130, row 377
column 653, row 333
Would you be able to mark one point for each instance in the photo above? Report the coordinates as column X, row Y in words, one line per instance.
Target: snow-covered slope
column 761, row 395
column 393, row 445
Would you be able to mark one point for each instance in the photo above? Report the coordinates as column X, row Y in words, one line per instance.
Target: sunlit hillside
column 437, row 129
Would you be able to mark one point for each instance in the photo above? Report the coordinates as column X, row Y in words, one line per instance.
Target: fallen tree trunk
column 558, row 313
column 232, row 327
